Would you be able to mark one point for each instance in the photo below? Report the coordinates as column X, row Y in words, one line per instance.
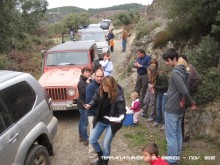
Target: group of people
column 102, row 105
column 167, row 101
column 111, row 36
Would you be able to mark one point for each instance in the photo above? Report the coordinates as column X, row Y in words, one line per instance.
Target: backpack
column 194, row 79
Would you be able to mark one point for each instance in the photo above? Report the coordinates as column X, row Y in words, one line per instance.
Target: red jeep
column 62, row 66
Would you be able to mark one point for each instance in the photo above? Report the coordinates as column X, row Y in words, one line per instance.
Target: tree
column 75, row 20
column 194, row 18
column 19, row 18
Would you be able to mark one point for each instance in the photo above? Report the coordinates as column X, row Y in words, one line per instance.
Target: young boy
column 150, row 152
column 135, row 107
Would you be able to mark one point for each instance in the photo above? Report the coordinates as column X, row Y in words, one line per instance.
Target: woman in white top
column 107, row 65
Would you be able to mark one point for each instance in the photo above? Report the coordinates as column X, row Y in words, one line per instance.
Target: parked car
column 104, row 25
column 99, row 36
column 61, row 67
column 27, row 124
column 94, row 26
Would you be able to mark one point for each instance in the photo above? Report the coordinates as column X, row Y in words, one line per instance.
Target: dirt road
column 67, row 148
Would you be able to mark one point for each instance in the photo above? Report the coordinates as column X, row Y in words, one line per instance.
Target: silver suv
column 99, row 36
column 27, row 125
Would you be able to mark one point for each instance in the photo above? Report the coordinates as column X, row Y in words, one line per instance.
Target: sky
column 85, row 4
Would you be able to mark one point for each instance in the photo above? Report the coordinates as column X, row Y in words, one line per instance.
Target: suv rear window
column 19, row 98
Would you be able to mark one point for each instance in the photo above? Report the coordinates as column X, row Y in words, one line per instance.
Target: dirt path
column 67, row 148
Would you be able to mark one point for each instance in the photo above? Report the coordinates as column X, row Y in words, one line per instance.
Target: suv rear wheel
column 37, row 155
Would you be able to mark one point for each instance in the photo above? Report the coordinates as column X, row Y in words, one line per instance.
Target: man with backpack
column 194, row 79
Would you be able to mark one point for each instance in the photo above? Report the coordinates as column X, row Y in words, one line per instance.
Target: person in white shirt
column 107, row 65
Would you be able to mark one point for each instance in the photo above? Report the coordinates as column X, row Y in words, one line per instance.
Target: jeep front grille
column 57, row 93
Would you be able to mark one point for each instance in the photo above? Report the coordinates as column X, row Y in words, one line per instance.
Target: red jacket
column 159, row 161
column 135, row 105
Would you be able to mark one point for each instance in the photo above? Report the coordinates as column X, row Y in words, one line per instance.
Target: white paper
column 115, row 119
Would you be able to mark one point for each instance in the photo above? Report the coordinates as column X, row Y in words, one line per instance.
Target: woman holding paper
column 110, row 114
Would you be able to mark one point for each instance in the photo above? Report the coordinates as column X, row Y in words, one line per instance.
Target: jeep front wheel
column 37, row 155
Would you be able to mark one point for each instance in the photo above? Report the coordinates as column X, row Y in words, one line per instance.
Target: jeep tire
column 37, row 155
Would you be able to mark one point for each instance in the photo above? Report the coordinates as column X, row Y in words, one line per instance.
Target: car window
column 19, row 99
column 2, row 124
column 93, row 36
column 5, row 118
column 67, row 58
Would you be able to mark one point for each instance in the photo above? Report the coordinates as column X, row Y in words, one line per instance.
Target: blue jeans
column 124, row 41
column 174, row 138
column 161, row 101
column 83, row 123
column 107, row 140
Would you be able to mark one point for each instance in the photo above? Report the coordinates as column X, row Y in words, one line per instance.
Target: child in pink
column 135, row 107
column 150, row 153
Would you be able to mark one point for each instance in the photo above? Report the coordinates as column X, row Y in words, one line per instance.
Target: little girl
column 135, row 107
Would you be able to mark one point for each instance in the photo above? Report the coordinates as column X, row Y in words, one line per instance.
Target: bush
column 142, row 31
column 210, row 88
column 161, row 39
column 4, row 62
column 117, row 22
column 205, row 57
column 36, row 40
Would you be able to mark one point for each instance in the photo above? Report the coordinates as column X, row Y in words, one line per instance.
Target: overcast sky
column 85, row 4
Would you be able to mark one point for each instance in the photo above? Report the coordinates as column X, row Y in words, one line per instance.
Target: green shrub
column 4, row 62
column 117, row 22
column 205, row 57
column 178, row 31
column 36, row 40
column 142, row 31
column 210, row 88
column 161, row 39
column 125, row 18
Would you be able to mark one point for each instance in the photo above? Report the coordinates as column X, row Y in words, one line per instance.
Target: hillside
column 73, row 9
column 56, row 14
column 66, row 9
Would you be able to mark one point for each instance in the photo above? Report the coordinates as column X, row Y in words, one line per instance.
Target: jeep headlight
column 104, row 50
column 71, row 92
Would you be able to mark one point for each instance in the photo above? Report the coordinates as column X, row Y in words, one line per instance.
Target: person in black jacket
column 83, row 121
column 110, row 113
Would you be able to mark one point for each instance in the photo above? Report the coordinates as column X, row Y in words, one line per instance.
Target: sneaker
column 186, row 139
column 135, row 124
column 162, row 128
column 150, row 119
column 85, row 142
column 80, row 138
column 143, row 115
column 155, row 124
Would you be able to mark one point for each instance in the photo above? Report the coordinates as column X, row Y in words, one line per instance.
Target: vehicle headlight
column 104, row 50
column 71, row 92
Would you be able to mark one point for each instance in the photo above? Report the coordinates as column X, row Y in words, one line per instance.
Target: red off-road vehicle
column 62, row 66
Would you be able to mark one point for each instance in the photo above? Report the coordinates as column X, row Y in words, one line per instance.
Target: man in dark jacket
column 142, row 63
column 193, row 81
column 90, row 91
column 177, row 96
column 83, row 121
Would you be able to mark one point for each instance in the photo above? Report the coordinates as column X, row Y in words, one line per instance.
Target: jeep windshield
column 67, row 58
column 93, row 36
